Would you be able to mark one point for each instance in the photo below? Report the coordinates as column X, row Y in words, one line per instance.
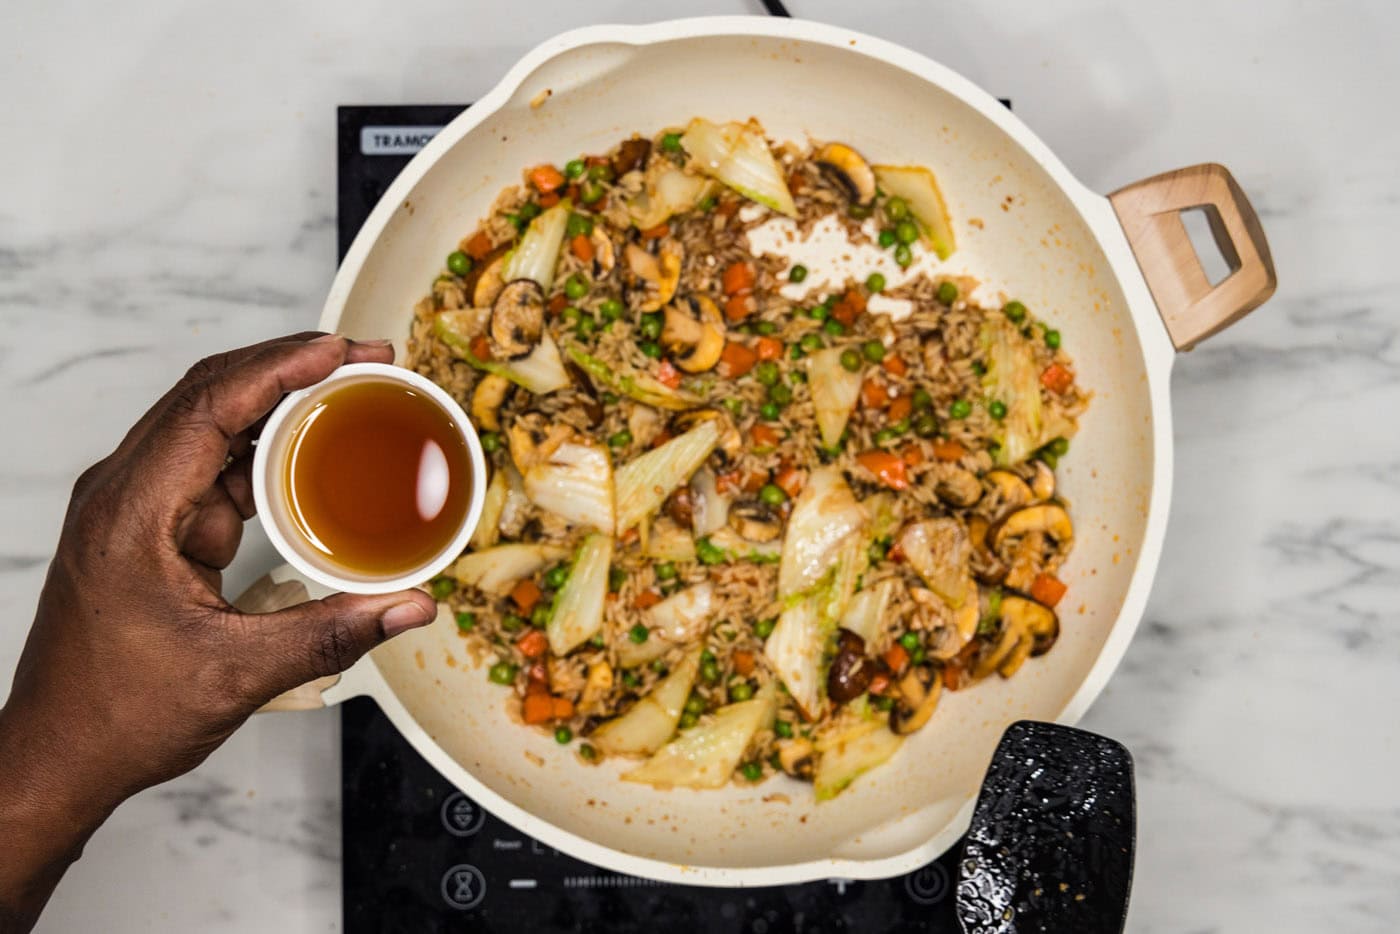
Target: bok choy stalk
column 728, row 545
column 631, row 383
column 667, row 191
column 706, row 756
column 919, row 188
column 709, row 507
column 825, row 513
column 1013, row 378
column 738, row 155
column 643, row 484
column 578, row 610
column 847, row 756
column 834, row 393
column 495, row 570
column 575, row 483
column 540, row 371
column 866, row 611
column 537, row 254
column 669, row 542
column 488, row 529
column 646, row 726
column 681, row 617
column 795, row 649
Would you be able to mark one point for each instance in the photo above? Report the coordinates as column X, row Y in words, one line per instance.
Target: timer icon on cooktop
column 463, row 886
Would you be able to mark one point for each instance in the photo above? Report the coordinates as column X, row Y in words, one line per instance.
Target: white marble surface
column 167, row 190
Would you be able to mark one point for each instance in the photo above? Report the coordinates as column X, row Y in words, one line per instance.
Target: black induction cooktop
column 419, row 856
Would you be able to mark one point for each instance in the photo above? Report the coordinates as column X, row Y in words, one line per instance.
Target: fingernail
column 377, row 342
column 325, row 338
column 402, row 617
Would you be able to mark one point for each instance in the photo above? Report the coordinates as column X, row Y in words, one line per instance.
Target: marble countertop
column 168, row 191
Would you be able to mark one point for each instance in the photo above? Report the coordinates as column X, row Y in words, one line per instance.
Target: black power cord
column 776, row 8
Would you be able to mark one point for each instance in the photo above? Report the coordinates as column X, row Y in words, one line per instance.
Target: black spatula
column 1051, row 842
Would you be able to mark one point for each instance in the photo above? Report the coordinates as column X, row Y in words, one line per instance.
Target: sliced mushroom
column 693, row 330
column 487, row 398
column 986, row 566
column 632, row 154
column 1011, row 491
column 755, row 522
column 661, row 276
column 489, row 283
column 1049, row 518
column 847, row 168
column 919, row 691
column 590, row 403
column 603, row 255
column 596, row 688
column 959, row 487
column 1039, row 620
column 1012, row 632
column 1027, row 556
column 1013, row 662
column 797, row 757
column 533, row 441
column 517, row 318
column 1043, row 482
column 850, row 672
column 680, row 506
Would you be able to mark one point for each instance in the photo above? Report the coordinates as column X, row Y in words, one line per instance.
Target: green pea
column 766, row 328
column 688, row 720
column 695, row 704
column 811, row 343
column 588, row 752
column 780, row 394
column 922, row 400
column 960, row 408
column 610, row 309
column 1015, row 311
column 570, row 316
column 875, row 282
column 860, row 211
column 707, row 552
column 796, row 353
column 620, row 439
column 783, row 729
column 650, row 326
column 490, row 442
column 877, row 551
column 650, row 349
column 1049, row 457
column 882, row 703
column 598, row 641
column 529, row 211
column 515, row 221
column 818, row 312
column 798, row 376
column 850, row 360
column 886, row 435
column 539, row 617
column 709, row 670
column 752, row 771
column 910, row 641
column 443, row 587
column 466, row 621
column 903, row 255
column 901, row 426
column 918, row 656
column 767, row 373
column 639, row 633
column 502, row 673
column 925, row 425
column 587, row 326
column 797, row 273
column 745, row 328
column 590, row 192
column 576, row 287
column 708, row 204
column 740, row 691
column 996, row 409
column 979, row 369
column 671, row 142
column 610, row 398
column 905, row 232
column 772, row 494
column 1059, row 447
column 706, row 655
column 665, row 571
column 735, row 406
column 886, row 238
column 575, row 168
column 630, row 679
column 896, row 209
column 769, row 411
column 563, row 735
column 512, row 623
column 580, row 225
column 600, row 173
column 557, row 576
column 874, row 351
column 617, row 579
column 1052, row 339
column 459, row 263
column 947, row 292
column 832, row 327
column 764, row 627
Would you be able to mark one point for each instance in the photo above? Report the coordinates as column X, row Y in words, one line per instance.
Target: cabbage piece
column 682, row 616
column 795, row 649
column 866, row 611
column 496, row 570
column 883, row 509
column 540, row 371
column 667, row 190
column 940, row 551
column 633, row 384
column 643, row 484
column 1013, row 378
column 917, row 186
column 834, row 393
column 706, row 756
column 488, row 529
column 648, row 723
column 734, row 547
column 852, row 560
column 515, row 512
column 850, row 755
column 825, row 513
column 635, row 654
column 578, row 610
column 709, row 507
column 537, row 254
column 738, row 155
column 669, row 542
column 575, row 482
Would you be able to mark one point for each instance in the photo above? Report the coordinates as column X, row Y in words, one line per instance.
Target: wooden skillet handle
column 1191, row 308
column 268, row 596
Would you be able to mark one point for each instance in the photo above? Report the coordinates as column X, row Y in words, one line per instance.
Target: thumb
column 325, row 637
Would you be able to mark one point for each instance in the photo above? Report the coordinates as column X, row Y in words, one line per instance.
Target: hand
column 136, row 668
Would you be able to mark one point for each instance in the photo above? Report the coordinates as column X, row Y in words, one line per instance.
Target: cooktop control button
column 463, row 886
column 461, row 815
column 927, row 885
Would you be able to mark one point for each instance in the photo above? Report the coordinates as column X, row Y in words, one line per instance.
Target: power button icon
column 927, row 885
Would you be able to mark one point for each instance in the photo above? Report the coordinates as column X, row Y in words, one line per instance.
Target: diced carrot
column 879, row 684
column 537, row 708
column 591, row 161
column 738, row 277
column 630, row 536
column 791, row 480
column 765, row 437
column 657, row 232
column 755, row 481
column 1047, row 589
column 739, row 307
column 477, row 246
column 769, row 348
column 563, row 708
column 888, row 468
column 546, row 178
column 952, row 677
column 532, row 644
column 796, row 182
column 668, row 374
column 735, row 360
column 480, row 347
column 857, row 300
column 662, row 437
column 743, row 663
column 549, row 199
column 558, row 303
column 572, row 194
column 949, row 451
column 901, row 407
column 896, row 657
column 728, row 482
column 894, row 365
column 1056, row 378
column 646, row 599
column 873, row 395
column 896, row 553
column 582, row 247
column 727, row 208
column 913, row 454
column 850, row 307
column 526, row 595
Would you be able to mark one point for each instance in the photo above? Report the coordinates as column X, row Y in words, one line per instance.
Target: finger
column 237, row 481
column 370, row 352
column 210, row 535
column 324, row 637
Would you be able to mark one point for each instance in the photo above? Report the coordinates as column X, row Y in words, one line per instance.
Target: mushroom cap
column 517, row 318
column 848, row 168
